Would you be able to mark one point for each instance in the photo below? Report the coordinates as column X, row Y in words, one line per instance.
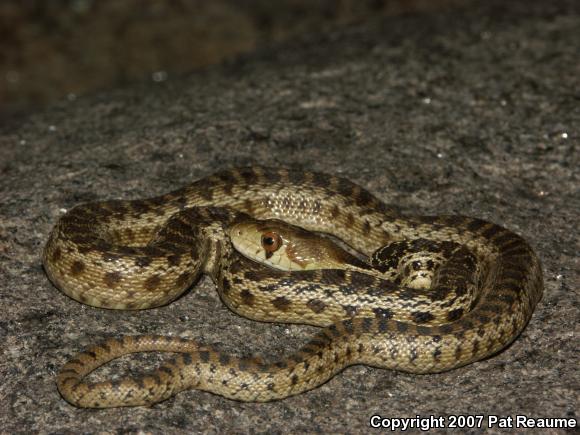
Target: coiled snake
column 437, row 292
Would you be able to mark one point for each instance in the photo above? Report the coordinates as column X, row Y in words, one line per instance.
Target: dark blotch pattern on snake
column 484, row 282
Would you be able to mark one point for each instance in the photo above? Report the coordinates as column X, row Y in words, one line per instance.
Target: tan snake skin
column 483, row 283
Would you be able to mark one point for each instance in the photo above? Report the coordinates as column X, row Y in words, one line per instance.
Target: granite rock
column 472, row 112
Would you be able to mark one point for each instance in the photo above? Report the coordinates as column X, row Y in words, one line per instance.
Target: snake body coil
column 145, row 253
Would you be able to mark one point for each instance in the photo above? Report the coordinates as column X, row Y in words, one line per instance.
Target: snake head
column 286, row 247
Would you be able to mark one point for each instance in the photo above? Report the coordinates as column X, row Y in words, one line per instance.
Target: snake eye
column 271, row 241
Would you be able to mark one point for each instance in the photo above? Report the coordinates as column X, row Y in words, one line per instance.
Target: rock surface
column 470, row 112
column 45, row 55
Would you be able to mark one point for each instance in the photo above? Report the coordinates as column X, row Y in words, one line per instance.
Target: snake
column 412, row 293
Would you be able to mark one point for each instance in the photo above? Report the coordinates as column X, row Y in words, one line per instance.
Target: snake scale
column 449, row 290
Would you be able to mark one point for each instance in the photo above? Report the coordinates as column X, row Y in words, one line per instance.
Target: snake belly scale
column 144, row 253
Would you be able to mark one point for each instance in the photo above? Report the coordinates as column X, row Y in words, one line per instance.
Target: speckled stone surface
column 46, row 57
column 471, row 112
